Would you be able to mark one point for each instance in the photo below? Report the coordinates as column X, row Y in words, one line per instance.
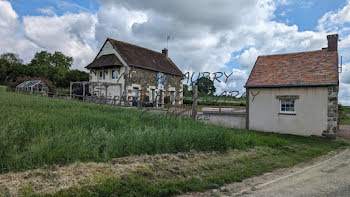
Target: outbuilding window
column 287, row 106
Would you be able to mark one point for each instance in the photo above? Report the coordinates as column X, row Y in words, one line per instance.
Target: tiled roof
column 145, row 58
column 105, row 61
column 314, row 68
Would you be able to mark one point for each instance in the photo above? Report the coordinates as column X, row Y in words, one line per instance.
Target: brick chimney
column 332, row 42
column 165, row 52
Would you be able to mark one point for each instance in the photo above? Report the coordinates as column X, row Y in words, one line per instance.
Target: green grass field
column 345, row 115
column 216, row 101
column 37, row 131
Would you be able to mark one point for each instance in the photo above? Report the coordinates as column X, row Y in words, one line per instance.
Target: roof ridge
column 291, row 53
column 305, row 68
column 135, row 45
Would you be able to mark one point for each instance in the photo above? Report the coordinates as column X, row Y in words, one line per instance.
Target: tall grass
column 344, row 115
column 37, row 131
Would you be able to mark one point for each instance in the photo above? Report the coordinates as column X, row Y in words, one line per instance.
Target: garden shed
column 32, row 85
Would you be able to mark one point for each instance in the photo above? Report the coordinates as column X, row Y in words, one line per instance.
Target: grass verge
column 170, row 180
column 344, row 115
column 37, row 131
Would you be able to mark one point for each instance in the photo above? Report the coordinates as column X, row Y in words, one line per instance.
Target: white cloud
column 345, row 74
column 10, row 34
column 47, row 11
column 68, row 33
column 332, row 21
column 206, row 32
column 8, row 16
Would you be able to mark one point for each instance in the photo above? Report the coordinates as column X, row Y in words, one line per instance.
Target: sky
column 206, row 35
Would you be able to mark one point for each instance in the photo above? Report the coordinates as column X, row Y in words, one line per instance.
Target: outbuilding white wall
column 311, row 110
column 234, row 121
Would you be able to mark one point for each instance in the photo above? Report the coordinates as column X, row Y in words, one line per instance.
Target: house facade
column 295, row 93
column 131, row 73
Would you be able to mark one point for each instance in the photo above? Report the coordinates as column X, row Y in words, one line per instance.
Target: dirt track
column 328, row 175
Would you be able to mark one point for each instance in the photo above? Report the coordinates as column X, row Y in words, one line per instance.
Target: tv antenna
column 169, row 37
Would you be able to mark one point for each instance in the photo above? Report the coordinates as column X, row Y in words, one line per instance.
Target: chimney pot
column 332, row 42
column 165, row 52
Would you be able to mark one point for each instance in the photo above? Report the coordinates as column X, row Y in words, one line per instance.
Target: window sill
column 287, row 114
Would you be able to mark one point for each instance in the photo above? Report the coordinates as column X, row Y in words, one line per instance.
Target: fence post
column 194, row 104
column 70, row 89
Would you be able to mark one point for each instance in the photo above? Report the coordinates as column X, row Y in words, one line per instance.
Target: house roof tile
column 313, row 68
column 105, row 61
column 144, row 58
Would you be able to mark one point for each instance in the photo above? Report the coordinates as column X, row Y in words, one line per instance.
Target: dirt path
column 299, row 180
column 344, row 131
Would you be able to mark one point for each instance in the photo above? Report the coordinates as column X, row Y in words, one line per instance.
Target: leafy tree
column 44, row 65
column 12, row 58
column 73, row 75
column 41, row 58
column 205, row 86
column 187, row 92
column 4, row 64
column 59, row 60
column 10, row 67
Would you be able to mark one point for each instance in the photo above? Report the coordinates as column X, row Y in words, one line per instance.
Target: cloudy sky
column 207, row 35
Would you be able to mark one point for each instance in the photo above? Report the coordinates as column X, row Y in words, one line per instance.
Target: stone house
column 131, row 73
column 295, row 93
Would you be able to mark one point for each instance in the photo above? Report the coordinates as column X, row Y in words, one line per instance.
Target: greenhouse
column 34, row 85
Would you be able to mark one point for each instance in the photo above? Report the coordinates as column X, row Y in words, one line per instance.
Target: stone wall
column 145, row 79
column 332, row 115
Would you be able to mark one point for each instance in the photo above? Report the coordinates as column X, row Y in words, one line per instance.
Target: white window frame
column 284, row 101
column 172, row 96
column 103, row 77
column 116, row 77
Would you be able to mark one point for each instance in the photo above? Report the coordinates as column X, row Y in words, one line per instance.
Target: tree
column 205, row 86
column 59, row 60
column 12, row 58
column 11, row 67
column 187, row 92
column 41, row 58
column 73, row 75
column 44, row 65
column 51, row 66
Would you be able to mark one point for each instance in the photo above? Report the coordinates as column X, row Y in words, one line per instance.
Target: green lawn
column 215, row 100
column 37, row 131
column 62, row 91
column 345, row 115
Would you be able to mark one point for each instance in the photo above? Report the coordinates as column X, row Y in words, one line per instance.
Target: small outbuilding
column 295, row 93
column 32, row 85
